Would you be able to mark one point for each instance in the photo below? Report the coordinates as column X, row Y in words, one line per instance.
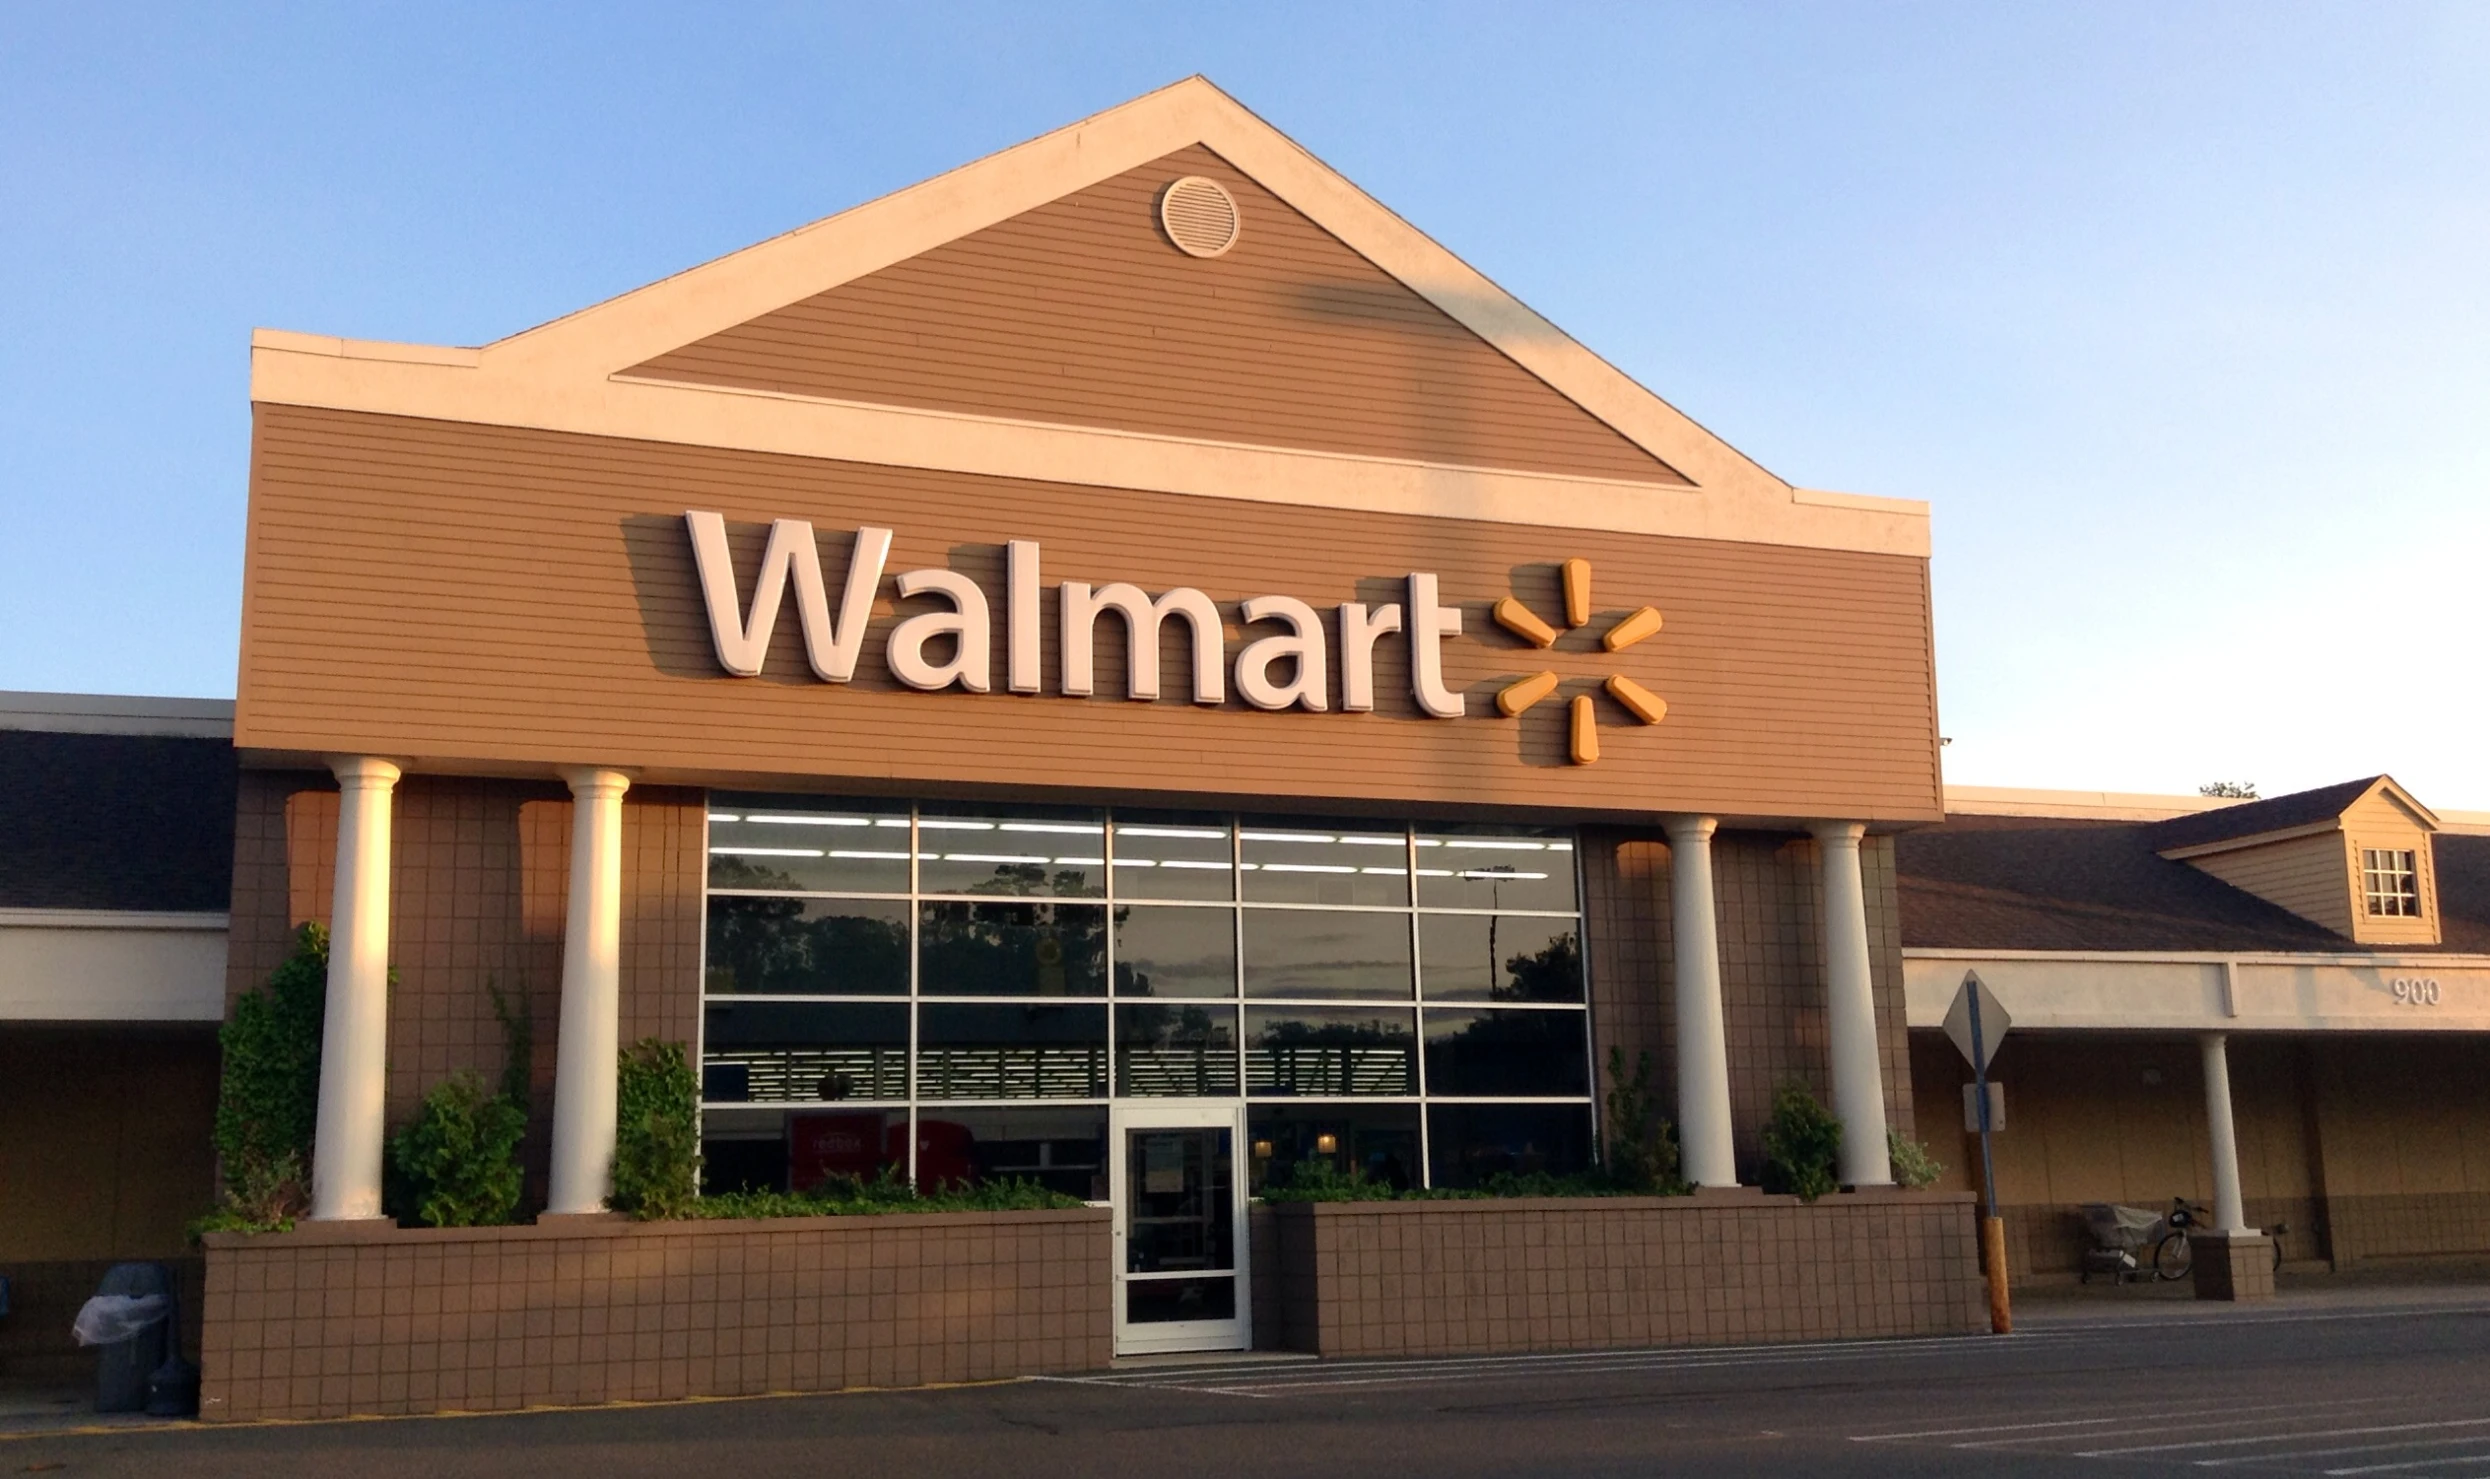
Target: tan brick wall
column 346, row 1320
column 1445, row 1278
column 1768, row 903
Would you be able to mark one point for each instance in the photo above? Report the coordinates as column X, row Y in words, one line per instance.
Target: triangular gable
column 1082, row 312
column 593, row 372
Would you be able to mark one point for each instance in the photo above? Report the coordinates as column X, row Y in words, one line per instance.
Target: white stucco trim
column 2207, row 991
column 110, row 965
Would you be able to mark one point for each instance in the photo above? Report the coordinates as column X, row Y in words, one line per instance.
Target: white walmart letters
column 1300, row 652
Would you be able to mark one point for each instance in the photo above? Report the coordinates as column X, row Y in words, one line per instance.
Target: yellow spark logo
column 1524, row 623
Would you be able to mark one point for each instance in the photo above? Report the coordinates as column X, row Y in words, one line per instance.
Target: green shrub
column 1913, row 1166
column 1642, row 1144
column 518, row 1044
column 850, row 1196
column 459, row 1158
column 1801, row 1142
column 656, row 1133
column 268, row 1101
column 1316, row 1179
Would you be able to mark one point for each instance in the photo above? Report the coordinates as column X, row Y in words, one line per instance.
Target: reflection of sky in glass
column 1326, row 953
column 1171, row 953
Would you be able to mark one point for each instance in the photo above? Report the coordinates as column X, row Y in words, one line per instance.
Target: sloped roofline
column 2278, row 818
column 571, row 374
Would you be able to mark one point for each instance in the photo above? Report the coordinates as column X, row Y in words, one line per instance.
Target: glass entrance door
column 1180, row 1268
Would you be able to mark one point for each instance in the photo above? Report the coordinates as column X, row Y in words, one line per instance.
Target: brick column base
column 2233, row 1265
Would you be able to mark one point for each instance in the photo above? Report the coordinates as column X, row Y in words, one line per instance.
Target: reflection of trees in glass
column 1523, row 1054
column 1015, row 949
column 1173, row 1027
column 729, row 871
column 769, row 946
column 1297, row 1033
column 1031, row 878
column 1553, row 973
column 1314, row 1056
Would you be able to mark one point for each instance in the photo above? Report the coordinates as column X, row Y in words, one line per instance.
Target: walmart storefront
column 1125, row 666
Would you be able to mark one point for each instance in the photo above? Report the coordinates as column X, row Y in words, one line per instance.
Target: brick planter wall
column 339, row 1320
column 1439, row 1278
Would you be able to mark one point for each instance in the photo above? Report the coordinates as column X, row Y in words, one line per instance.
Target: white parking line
column 2469, row 1422
column 2423, row 1463
column 2308, row 1453
column 2071, row 1422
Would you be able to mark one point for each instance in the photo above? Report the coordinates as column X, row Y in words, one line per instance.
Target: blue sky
column 2180, row 316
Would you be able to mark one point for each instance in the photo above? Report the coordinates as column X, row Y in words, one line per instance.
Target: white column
column 354, row 1029
column 2229, row 1211
column 1702, row 1039
column 1850, row 1010
column 585, row 1054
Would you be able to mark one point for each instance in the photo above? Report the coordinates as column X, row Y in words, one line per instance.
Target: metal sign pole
column 1992, row 1227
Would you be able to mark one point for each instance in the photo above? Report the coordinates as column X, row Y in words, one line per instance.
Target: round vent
column 1199, row 216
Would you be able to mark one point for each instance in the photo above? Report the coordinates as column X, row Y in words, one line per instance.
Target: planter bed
column 345, row 1319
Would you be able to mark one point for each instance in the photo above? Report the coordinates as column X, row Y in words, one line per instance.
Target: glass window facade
column 892, row 987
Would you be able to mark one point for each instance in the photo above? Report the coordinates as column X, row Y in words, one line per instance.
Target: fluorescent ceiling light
column 766, row 852
column 1196, row 834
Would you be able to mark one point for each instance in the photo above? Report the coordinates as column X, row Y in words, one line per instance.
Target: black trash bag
column 132, row 1323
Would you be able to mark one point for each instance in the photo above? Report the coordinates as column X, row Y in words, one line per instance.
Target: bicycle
column 2120, row 1236
column 2174, row 1254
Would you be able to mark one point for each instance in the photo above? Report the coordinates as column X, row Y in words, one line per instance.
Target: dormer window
column 2390, row 879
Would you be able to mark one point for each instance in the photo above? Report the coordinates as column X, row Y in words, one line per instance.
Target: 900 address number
column 2415, row 991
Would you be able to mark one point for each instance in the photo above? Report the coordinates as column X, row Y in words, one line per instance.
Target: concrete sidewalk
column 2384, row 1286
column 28, row 1410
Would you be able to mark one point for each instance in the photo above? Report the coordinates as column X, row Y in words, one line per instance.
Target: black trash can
column 123, row 1367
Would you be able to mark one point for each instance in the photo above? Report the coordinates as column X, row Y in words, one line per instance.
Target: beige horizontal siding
column 496, row 598
column 2379, row 820
column 1080, row 312
column 2304, row 875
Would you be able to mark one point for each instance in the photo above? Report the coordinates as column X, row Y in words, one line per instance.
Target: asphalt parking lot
column 2389, row 1383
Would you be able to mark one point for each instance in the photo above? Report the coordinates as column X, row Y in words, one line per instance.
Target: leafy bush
column 268, row 1102
column 459, row 1158
column 1318, row 1181
column 1801, row 1142
column 1913, row 1166
column 1642, row 1144
column 850, row 1196
column 656, row 1133
column 518, row 1044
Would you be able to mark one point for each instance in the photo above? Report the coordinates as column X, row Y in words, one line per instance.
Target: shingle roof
column 110, row 821
column 2249, row 819
column 2028, row 883
column 2034, row 883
